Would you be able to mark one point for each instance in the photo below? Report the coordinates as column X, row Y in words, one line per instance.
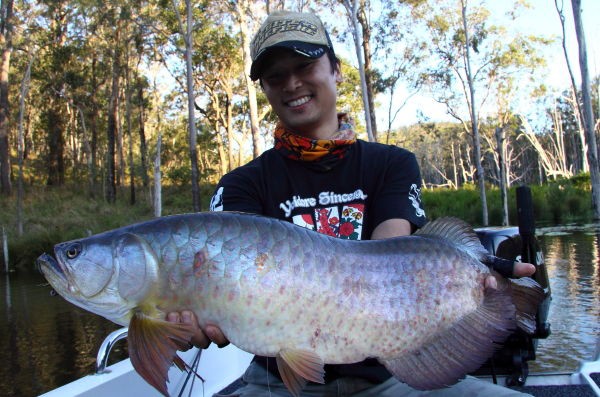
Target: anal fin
column 449, row 355
column 297, row 366
column 152, row 348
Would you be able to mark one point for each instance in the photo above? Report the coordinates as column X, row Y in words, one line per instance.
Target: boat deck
column 558, row 390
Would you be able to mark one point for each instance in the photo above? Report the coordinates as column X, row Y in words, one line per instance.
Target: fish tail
column 453, row 352
column 526, row 295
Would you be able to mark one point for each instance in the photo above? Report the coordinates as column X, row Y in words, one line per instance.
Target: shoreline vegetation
column 56, row 214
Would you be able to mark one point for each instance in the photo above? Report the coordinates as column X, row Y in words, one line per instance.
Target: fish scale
column 276, row 289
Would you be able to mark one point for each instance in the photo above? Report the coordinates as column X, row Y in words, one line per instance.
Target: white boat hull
column 218, row 368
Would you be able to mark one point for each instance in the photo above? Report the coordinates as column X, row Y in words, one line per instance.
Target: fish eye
column 73, row 250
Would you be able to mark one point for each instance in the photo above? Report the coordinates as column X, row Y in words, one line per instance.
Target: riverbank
column 56, row 214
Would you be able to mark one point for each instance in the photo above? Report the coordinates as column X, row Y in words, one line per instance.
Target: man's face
column 302, row 92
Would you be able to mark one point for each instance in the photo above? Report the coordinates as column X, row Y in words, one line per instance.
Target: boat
column 218, row 370
column 221, row 368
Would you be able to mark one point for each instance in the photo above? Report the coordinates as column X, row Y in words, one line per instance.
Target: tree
column 242, row 9
column 186, row 34
column 573, row 97
column 352, row 11
column 473, row 112
column 588, row 115
column 472, row 59
column 6, row 48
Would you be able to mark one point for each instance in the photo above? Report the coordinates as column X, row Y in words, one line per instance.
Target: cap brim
column 308, row 50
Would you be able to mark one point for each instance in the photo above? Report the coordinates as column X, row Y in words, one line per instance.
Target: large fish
column 416, row 303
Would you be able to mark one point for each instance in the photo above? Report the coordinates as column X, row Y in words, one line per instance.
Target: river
column 46, row 342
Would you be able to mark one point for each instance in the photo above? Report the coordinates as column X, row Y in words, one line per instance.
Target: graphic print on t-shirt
column 333, row 214
column 347, row 225
column 304, row 220
column 351, row 222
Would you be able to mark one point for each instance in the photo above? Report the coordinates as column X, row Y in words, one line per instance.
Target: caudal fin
column 526, row 295
column 451, row 354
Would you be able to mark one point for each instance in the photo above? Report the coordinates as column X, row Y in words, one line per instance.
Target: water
column 572, row 257
column 46, row 342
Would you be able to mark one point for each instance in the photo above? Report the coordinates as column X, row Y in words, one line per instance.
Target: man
column 319, row 176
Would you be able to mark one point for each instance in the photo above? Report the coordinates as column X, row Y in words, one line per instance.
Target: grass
column 56, row 214
column 558, row 202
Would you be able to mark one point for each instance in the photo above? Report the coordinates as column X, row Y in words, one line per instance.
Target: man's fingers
column 523, row 269
column 199, row 339
column 491, row 282
column 216, row 335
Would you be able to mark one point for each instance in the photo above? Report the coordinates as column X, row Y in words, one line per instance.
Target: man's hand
column 520, row 269
column 201, row 338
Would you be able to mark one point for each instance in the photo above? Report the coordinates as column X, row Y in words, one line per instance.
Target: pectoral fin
column 297, row 366
column 152, row 348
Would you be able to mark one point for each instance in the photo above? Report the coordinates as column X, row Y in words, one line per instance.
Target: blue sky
column 540, row 20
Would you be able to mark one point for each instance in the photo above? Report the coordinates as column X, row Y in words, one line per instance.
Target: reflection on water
column 46, row 342
column 572, row 261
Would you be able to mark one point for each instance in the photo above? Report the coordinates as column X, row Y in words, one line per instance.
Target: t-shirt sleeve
column 236, row 191
column 400, row 194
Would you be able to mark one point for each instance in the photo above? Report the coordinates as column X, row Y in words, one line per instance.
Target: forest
column 119, row 99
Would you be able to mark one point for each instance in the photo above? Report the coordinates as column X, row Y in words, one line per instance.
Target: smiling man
column 320, row 176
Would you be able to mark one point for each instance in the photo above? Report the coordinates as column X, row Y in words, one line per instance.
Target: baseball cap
column 303, row 33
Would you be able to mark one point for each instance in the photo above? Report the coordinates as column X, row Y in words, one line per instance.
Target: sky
column 540, row 20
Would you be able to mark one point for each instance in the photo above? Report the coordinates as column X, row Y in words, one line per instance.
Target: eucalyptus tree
column 6, row 48
column 218, row 71
column 472, row 58
column 54, row 71
column 573, row 97
column 245, row 13
column 186, row 34
column 588, row 115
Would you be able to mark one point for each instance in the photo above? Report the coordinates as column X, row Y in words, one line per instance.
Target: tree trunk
column 352, row 10
column 113, row 110
column 21, row 147
column 588, row 116
column 367, row 56
column 576, row 106
column 56, row 144
column 187, row 38
column 501, row 148
column 93, row 123
column 129, row 134
column 157, row 202
column 6, row 48
column 240, row 11
column 474, row 122
column 142, row 132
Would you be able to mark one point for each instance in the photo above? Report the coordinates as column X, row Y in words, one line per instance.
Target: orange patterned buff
column 297, row 147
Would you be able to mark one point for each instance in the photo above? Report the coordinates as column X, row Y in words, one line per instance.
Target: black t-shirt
column 370, row 184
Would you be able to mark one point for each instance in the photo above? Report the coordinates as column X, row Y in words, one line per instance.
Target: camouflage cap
column 303, row 33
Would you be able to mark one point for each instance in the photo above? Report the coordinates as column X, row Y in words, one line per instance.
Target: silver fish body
column 275, row 288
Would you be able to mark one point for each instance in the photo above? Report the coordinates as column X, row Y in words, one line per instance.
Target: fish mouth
column 47, row 264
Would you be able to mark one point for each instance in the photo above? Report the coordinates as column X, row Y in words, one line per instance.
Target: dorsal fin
column 457, row 232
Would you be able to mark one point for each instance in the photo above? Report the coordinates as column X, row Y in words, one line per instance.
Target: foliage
column 554, row 203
